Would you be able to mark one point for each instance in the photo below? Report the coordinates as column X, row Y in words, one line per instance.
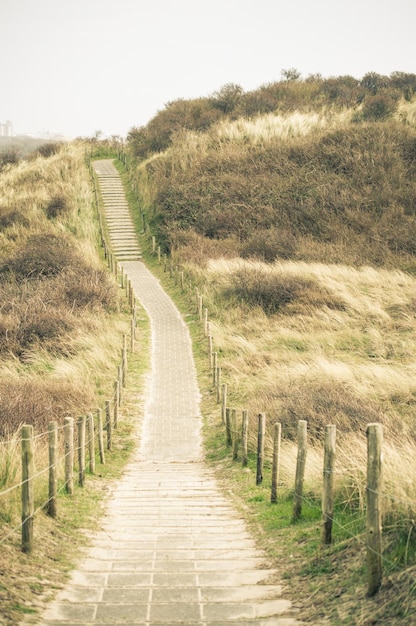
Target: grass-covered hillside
column 62, row 320
column 297, row 225
column 56, row 298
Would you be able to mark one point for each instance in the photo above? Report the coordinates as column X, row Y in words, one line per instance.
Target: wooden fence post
column 205, row 321
column 91, row 442
column 81, row 450
column 328, row 484
column 214, row 368
column 228, row 435
column 53, row 476
column 132, row 335
column 260, row 448
column 124, row 361
column 28, row 496
column 300, row 468
column 116, row 402
column 108, row 423
column 100, row 436
column 277, row 436
column 158, row 254
column 235, row 434
column 244, row 443
column 218, row 384
column 210, row 350
column 374, row 498
column 224, row 402
column 69, row 454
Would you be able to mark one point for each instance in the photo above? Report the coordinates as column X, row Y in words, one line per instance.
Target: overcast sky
column 78, row 66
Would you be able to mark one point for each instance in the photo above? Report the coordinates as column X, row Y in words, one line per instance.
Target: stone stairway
column 121, row 231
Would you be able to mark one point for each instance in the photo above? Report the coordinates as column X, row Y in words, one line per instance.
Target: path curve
column 171, row 549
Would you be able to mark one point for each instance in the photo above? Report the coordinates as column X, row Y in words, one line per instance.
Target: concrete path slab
column 171, row 549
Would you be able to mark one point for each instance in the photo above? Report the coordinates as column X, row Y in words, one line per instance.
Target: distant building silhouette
column 6, row 129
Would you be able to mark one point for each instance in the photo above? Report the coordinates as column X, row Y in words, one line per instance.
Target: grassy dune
column 62, row 320
column 298, row 229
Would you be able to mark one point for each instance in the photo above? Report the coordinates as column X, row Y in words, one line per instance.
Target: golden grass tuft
column 345, row 359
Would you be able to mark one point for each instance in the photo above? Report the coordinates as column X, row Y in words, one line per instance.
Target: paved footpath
column 170, row 549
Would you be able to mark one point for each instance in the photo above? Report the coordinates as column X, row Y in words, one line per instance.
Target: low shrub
column 57, row 207
column 38, row 402
column 269, row 245
column 10, row 216
column 48, row 149
column 87, row 288
column 273, row 291
column 42, row 255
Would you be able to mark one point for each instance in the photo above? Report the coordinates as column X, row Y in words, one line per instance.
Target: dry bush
column 321, row 403
column 48, row 149
column 197, row 249
column 30, row 323
column 87, row 289
column 42, row 313
column 273, row 291
column 42, row 255
column 38, row 402
column 269, row 244
column 57, row 207
column 11, row 216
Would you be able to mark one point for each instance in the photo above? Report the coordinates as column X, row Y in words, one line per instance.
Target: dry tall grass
column 338, row 348
column 59, row 336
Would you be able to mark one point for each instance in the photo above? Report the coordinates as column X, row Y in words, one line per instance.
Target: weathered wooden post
column 153, row 244
column 328, row 484
column 124, row 360
column 120, row 384
column 205, row 321
column 300, row 469
column 224, row 402
column 277, row 436
column 210, row 350
column 100, row 436
column 158, row 254
column 81, row 450
column 244, row 441
column 374, row 508
column 91, row 442
column 53, row 476
column 69, row 454
column 218, row 384
column 116, row 402
column 132, row 335
column 228, row 435
column 108, row 424
column 260, row 448
column 235, row 434
column 28, row 495
column 214, row 368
